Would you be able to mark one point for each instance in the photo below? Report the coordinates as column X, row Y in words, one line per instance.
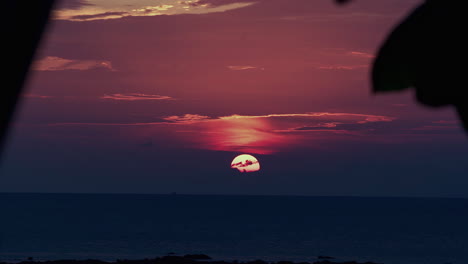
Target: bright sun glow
column 245, row 163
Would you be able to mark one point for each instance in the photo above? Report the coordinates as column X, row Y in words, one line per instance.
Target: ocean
column 133, row 226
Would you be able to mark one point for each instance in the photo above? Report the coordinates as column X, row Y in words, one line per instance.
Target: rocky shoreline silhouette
column 186, row 259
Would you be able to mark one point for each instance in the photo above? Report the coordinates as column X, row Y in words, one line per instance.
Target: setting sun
column 245, row 163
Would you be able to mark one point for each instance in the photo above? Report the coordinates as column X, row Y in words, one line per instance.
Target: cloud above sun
column 242, row 67
column 260, row 134
column 135, row 97
column 52, row 63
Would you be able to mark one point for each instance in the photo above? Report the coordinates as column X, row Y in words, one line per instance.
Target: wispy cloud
column 361, row 54
column 52, row 63
column 153, row 9
column 343, row 67
column 365, row 118
column 345, row 127
column 105, row 15
column 135, row 97
column 319, row 119
column 215, row 3
column 37, row 96
column 187, row 118
column 243, row 67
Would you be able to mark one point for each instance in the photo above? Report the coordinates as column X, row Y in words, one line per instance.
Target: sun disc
column 245, row 163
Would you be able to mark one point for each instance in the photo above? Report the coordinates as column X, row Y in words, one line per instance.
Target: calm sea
column 127, row 226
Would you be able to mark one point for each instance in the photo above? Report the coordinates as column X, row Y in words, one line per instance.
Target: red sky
column 132, row 85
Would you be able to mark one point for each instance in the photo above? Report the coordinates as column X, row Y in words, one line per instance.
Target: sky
column 159, row 96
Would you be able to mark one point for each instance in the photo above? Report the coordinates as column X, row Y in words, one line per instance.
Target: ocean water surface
column 131, row 226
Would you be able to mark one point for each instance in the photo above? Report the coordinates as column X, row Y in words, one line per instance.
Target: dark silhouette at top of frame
column 427, row 51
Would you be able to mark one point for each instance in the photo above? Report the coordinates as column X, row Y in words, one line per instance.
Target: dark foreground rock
column 187, row 259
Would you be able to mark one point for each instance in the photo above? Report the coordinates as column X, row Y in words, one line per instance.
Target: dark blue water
column 109, row 227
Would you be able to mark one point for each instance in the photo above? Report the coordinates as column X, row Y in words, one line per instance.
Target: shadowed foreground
column 188, row 259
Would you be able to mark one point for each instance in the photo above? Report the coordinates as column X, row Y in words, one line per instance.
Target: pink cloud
column 343, row 67
column 52, row 63
column 187, row 118
column 37, row 96
column 242, row 68
column 361, row 54
column 367, row 118
column 105, row 15
column 135, row 97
